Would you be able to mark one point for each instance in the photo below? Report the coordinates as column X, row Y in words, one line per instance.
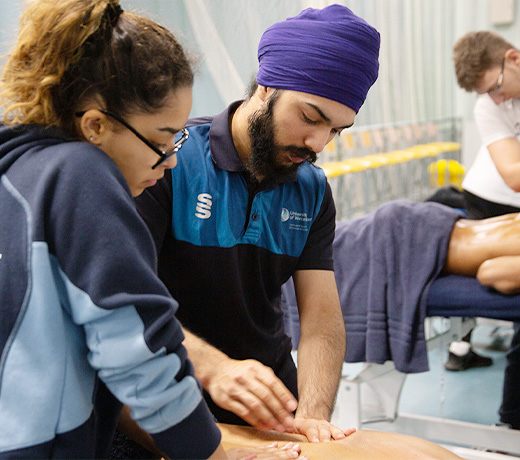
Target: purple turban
column 329, row 52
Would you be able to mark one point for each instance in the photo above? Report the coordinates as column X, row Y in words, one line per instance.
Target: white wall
column 470, row 142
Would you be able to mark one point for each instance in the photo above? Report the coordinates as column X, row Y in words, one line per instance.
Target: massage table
column 369, row 398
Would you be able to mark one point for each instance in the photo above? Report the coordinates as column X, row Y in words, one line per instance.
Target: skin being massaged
column 488, row 249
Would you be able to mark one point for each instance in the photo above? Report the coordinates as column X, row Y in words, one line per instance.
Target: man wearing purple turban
column 247, row 209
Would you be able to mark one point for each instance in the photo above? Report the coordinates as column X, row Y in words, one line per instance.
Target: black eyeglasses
column 497, row 87
column 184, row 134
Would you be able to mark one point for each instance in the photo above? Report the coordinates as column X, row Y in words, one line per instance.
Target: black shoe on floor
column 470, row 359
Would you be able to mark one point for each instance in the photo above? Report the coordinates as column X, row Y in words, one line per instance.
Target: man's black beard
column 263, row 159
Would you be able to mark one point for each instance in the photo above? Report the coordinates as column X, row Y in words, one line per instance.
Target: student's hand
column 320, row 430
column 272, row 451
column 253, row 392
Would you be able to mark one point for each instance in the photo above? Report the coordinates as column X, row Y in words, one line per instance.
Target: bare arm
column 501, row 273
column 247, row 388
column 320, row 353
column 505, row 153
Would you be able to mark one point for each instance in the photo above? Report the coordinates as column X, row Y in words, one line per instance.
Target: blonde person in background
column 489, row 65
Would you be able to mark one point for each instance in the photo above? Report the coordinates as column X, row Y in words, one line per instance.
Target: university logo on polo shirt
column 297, row 220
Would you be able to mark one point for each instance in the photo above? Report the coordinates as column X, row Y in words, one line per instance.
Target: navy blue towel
column 385, row 263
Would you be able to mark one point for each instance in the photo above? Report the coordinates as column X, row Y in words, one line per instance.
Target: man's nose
column 317, row 140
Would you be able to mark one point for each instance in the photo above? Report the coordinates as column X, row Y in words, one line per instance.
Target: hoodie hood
column 15, row 140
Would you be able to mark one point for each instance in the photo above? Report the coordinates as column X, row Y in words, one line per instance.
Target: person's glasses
column 497, row 87
column 180, row 139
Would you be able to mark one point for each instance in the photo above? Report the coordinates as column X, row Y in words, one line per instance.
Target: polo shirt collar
column 223, row 150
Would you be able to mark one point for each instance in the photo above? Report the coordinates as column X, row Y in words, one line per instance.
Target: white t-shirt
column 494, row 122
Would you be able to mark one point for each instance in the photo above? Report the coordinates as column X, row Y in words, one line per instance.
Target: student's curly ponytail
column 72, row 51
column 51, row 39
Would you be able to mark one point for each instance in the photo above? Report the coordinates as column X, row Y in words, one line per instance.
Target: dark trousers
column 478, row 208
column 510, row 408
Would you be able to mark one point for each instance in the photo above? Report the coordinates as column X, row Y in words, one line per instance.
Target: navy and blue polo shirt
column 226, row 243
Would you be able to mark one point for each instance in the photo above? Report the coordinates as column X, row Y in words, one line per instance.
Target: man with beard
column 245, row 209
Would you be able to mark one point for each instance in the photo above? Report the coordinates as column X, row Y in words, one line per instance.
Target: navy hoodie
column 83, row 310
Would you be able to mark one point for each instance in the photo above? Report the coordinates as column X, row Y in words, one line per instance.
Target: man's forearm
column 322, row 343
column 320, row 358
column 206, row 358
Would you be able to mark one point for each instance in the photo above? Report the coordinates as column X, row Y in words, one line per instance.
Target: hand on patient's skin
column 272, row 451
column 319, row 430
column 253, row 392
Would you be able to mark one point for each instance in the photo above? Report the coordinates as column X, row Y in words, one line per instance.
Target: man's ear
column 262, row 92
column 94, row 126
column 513, row 55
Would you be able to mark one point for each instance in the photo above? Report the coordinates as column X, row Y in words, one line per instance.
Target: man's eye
column 308, row 120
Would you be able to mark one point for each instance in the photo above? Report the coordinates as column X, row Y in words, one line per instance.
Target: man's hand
column 319, row 430
column 253, row 392
column 247, row 388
